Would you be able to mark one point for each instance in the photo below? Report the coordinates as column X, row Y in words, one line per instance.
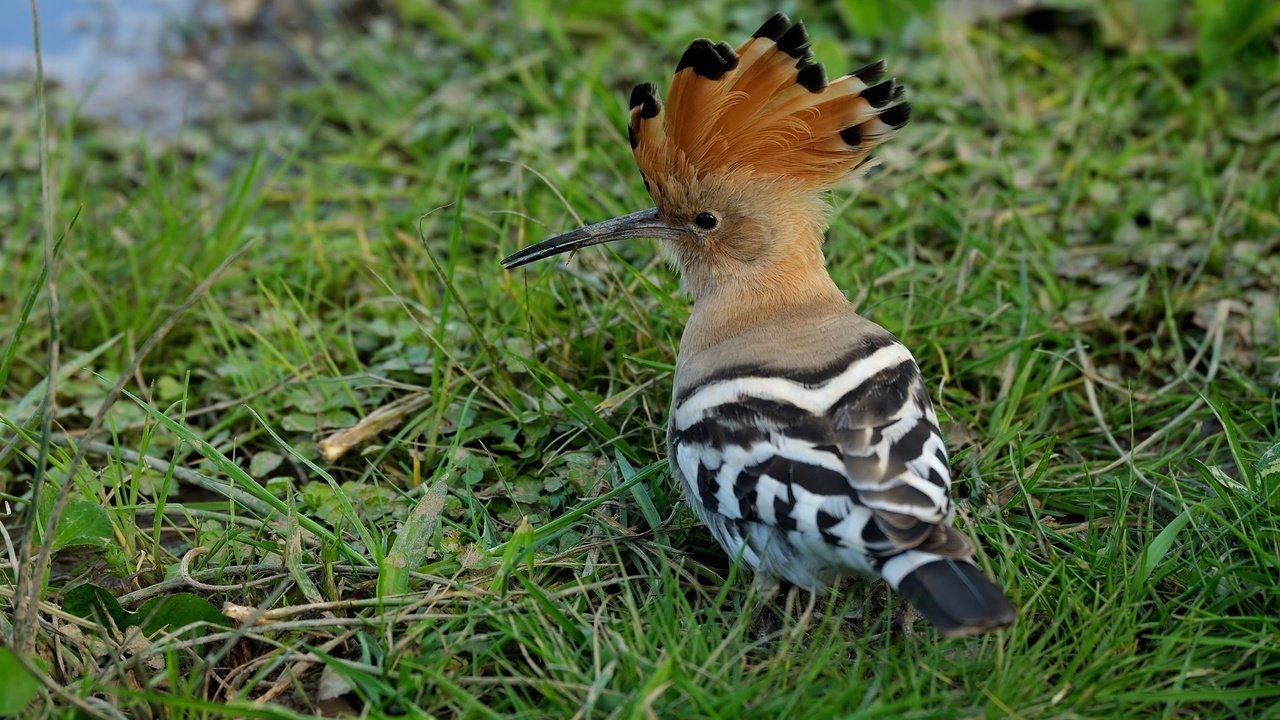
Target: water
column 150, row 65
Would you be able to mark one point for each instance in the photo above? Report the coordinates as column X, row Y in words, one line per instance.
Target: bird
column 802, row 433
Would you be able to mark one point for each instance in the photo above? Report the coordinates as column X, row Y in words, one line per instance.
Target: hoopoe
column 802, row 433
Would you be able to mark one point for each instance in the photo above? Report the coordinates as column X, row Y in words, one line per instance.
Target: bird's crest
column 765, row 110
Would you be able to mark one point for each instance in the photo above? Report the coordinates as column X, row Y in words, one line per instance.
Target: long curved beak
column 643, row 224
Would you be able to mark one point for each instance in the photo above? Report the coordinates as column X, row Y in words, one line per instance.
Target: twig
column 408, row 601
column 337, row 444
column 165, row 586
column 237, row 634
column 184, row 574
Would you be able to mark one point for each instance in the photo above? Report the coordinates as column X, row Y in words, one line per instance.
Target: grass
column 1080, row 246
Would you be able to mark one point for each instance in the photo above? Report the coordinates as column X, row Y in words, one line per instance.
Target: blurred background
column 152, row 64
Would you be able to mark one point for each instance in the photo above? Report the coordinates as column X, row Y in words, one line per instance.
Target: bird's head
column 738, row 158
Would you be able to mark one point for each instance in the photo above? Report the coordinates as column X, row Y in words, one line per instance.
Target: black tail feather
column 957, row 598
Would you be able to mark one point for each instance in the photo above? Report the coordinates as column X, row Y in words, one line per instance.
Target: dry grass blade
column 336, row 445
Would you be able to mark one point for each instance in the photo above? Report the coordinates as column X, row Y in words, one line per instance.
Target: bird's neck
column 777, row 293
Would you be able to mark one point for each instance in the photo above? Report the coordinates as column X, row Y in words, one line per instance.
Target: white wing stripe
column 727, row 502
column 805, row 509
column 901, row 565
column 814, row 399
column 767, row 491
column 802, row 452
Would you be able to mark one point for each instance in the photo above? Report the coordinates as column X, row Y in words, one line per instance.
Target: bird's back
column 807, row 340
column 810, row 448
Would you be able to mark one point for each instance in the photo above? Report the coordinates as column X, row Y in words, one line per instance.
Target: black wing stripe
column 707, row 487
column 814, row 479
column 750, row 420
column 882, row 396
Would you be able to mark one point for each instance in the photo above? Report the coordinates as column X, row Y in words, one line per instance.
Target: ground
column 382, row 475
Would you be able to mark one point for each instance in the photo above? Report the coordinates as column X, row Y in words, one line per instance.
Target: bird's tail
column 953, row 594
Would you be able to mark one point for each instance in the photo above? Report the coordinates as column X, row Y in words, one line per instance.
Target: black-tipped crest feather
column 871, row 72
column 812, row 78
column 765, row 108
column 878, row 95
column 708, row 60
column 896, row 116
column 773, row 27
column 728, row 57
column 795, row 41
column 645, row 96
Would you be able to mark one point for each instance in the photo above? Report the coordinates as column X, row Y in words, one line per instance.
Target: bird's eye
column 706, row 220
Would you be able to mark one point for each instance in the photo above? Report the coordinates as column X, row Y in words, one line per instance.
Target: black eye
column 706, row 220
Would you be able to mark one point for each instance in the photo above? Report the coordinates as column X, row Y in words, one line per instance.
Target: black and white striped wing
column 846, row 464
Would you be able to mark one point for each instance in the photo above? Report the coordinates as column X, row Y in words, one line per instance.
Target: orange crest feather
column 765, row 109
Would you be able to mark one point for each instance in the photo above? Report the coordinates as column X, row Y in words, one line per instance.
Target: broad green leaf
column 1157, row 17
column 82, row 523
column 882, row 18
column 169, row 612
column 1224, row 28
column 18, row 687
column 93, row 603
column 1269, row 462
column 180, row 609
column 264, row 463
